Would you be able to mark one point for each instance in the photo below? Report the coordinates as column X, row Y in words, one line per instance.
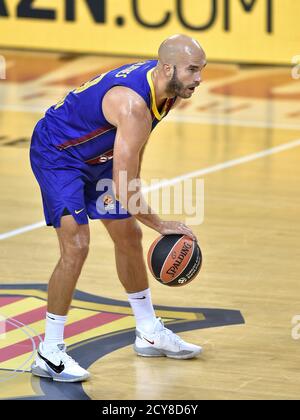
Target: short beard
column 174, row 86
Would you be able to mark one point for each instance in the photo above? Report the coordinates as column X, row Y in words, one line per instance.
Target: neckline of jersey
column 159, row 116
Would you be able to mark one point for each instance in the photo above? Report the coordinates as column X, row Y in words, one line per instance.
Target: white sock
column 143, row 311
column 55, row 325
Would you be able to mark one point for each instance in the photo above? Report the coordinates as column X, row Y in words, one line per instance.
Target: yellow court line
column 25, row 305
column 20, row 386
column 106, row 307
column 114, row 326
column 17, row 335
column 25, row 292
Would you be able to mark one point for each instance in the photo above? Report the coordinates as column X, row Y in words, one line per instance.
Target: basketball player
column 93, row 134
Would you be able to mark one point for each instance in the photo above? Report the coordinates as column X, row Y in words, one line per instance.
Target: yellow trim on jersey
column 90, row 83
column 155, row 111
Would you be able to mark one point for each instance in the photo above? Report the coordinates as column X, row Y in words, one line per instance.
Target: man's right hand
column 168, row 228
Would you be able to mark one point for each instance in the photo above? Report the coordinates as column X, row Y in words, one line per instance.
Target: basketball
column 174, row 260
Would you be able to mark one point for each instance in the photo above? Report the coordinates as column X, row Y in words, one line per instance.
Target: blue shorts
column 69, row 186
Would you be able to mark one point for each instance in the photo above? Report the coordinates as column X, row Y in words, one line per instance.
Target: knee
column 130, row 239
column 75, row 254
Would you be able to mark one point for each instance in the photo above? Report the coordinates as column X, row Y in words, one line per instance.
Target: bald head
column 181, row 61
column 180, row 48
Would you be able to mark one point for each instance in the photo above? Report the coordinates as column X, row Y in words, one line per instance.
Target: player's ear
column 168, row 70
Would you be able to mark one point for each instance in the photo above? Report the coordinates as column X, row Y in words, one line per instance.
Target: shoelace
column 67, row 360
column 61, row 355
column 174, row 338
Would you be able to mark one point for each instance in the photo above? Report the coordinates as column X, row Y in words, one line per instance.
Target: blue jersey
column 77, row 123
column 72, row 147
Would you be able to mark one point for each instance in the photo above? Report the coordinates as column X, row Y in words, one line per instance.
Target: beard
column 176, row 88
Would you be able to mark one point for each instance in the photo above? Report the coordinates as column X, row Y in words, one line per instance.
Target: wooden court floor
column 249, row 238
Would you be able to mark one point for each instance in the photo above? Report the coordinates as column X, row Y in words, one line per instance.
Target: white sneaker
column 53, row 362
column 164, row 342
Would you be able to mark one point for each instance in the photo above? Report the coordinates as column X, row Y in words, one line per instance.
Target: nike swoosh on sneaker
column 151, row 342
column 55, row 368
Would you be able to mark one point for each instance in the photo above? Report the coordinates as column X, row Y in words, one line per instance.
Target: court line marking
column 225, row 121
column 224, row 165
column 176, row 180
column 21, row 230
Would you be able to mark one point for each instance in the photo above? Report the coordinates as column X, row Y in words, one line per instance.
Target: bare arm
column 141, row 159
column 127, row 111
